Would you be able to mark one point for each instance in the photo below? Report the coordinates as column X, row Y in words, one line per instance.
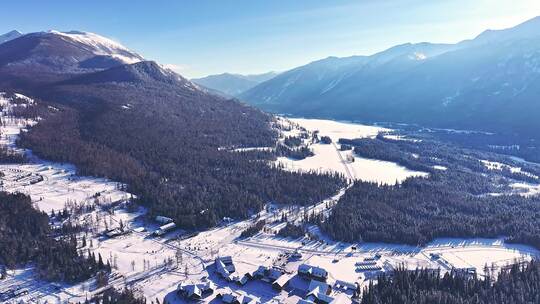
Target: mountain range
column 115, row 114
column 233, row 84
column 489, row 83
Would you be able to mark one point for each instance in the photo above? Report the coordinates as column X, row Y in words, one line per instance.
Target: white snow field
column 521, row 188
column 328, row 157
column 58, row 184
column 497, row 166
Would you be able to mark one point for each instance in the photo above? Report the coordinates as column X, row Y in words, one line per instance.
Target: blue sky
column 201, row 37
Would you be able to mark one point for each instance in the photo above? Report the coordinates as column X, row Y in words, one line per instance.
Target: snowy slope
column 51, row 55
column 99, row 45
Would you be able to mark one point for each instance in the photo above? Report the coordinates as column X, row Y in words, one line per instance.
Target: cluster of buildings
column 20, row 177
column 308, row 285
column 196, row 291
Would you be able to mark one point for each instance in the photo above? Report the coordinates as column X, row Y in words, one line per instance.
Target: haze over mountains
column 488, row 83
column 233, row 84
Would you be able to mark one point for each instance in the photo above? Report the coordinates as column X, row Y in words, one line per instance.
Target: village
column 164, row 263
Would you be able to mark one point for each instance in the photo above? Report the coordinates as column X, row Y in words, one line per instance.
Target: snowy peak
column 10, row 36
column 60, row 53
column 99, row 45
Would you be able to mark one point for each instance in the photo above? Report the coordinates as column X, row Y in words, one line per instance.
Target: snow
column 418, row 56
column 101, row 45
column 493, row 165
column 401, row 137
column 249, row 149
column 339, row 259
column 143, row 262
column 49, row 184
column 328, row 158
column 526, row 189
column 59, row 185
column 336, row 129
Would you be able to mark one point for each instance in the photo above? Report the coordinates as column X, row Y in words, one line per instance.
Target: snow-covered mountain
column 491, row 82
column 55, row 53
column 10, row 36
column 233, row 84
column 99, row 45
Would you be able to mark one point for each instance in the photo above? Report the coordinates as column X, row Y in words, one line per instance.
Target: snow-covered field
column 339, row 259
column 328, row 157
column 57, row 185
column 492, row 165
column 521, row 188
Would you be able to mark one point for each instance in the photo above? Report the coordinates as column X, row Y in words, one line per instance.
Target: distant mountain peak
column 230, row 84
column 527, row 29
column 60, row 53
column 10, row 36
column 487, row 83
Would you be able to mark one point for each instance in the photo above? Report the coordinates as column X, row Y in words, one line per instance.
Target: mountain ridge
column 471, row 84
column 141, row 124
column 231, row 84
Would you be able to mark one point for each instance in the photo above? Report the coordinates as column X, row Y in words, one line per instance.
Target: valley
column 406, row 174
column 155, row 267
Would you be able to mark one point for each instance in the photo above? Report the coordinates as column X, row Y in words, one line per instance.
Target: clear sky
column 200, row 37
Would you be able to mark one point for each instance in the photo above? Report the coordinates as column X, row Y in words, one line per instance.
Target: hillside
column 489, row 83
column 146, row 126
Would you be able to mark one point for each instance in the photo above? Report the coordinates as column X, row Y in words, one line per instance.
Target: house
column 319, row 292
column 244, row 299
column 312, row 272
column 282, row 281
column 345, row 286
column 196, row 291
column 112, row 233
column 164, row 229
column 259, row 273
column 242, row 280
column 274, row 273
column 231, row 297
column 225, row 267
